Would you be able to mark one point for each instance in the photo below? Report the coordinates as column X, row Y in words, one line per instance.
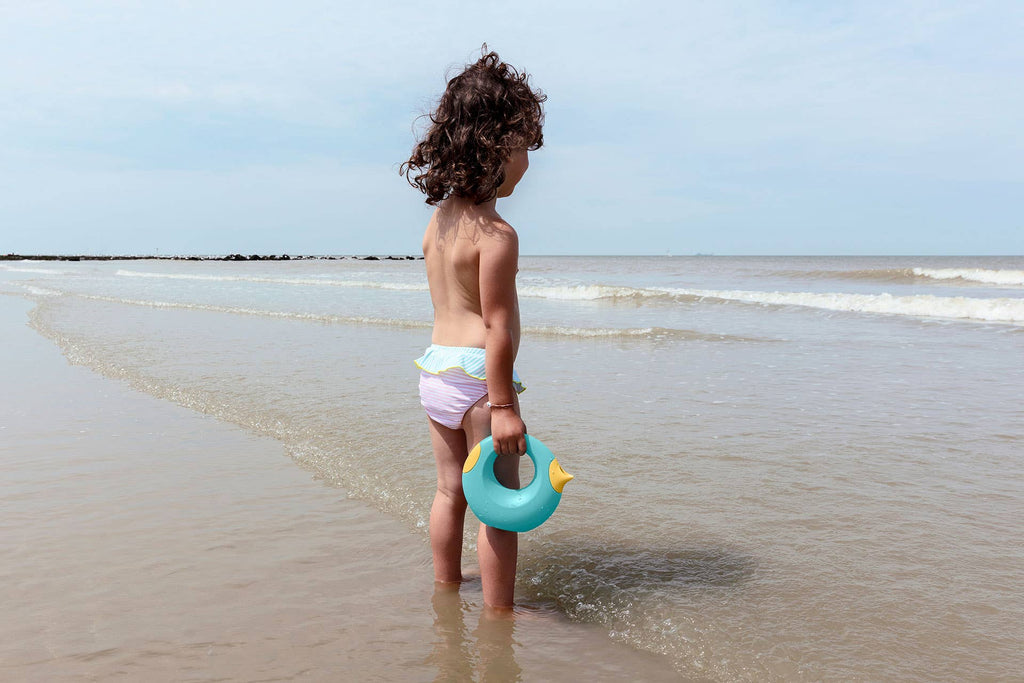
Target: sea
column 786, row 467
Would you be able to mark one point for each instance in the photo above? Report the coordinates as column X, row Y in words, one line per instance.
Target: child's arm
column 499, row 258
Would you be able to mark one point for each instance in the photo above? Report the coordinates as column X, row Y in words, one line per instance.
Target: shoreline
column 150, row 538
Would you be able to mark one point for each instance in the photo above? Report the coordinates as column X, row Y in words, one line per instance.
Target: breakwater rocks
column 229, row 257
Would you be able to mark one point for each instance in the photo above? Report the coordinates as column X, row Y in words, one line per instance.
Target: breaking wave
column 1003, row 310
column 1000, row 310
column 985, row 276
column 995, row 277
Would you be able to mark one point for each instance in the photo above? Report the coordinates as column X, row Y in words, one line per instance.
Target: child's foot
column 525, row 612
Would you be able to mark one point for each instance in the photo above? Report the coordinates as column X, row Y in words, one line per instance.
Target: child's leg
column 497, row 549
column 448, row 513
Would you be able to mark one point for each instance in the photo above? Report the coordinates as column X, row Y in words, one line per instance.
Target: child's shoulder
column 498, row 243
column 498, row 235
column 497, row 229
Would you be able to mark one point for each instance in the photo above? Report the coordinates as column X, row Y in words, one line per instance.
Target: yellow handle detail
column 559, row 477
column 474, row 455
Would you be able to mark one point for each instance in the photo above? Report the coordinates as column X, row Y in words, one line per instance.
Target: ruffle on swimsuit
column 470, row 359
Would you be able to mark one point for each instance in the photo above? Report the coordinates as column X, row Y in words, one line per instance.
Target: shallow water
column 787, row 468
column 143, row 541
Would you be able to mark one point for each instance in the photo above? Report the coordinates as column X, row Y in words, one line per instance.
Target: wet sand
column 142, row 541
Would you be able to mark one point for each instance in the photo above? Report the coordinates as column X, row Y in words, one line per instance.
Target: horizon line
column 12, row 256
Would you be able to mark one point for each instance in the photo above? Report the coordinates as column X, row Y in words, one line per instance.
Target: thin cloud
column 724, row 116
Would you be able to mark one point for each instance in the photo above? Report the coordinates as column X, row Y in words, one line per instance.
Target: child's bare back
column 462, row 240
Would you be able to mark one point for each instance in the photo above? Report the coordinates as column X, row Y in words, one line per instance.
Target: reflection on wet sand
column 486, row 654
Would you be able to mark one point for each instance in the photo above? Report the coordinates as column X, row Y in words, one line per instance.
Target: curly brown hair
column 487, row 112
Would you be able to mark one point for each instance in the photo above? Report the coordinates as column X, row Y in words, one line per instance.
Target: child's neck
column 469, row 207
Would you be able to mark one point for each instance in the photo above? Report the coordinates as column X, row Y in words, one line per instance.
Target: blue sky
column 726, row 128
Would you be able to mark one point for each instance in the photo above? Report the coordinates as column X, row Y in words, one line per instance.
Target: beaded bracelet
column 500, row 405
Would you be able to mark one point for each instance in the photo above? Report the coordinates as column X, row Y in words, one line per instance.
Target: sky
column 671, row 127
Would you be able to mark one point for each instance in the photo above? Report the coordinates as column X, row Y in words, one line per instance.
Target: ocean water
column 787, row 468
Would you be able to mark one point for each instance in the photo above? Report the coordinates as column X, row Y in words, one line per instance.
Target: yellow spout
column 559, row 477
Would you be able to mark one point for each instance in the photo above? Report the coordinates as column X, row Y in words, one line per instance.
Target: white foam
column 41, row 291
column 593, row 331
column 1003, row 310
column 566, row 292
column 317, row 281
column 554, row 330
column 924, row 305
column 587, row 292
column 180, row 276
column 995, row 277
column 653, row 333
column 41, row 271
column 317, row 317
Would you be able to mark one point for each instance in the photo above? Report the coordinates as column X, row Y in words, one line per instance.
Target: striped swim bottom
column 452, row 380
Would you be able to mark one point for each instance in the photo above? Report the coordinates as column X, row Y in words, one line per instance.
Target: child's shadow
column 651, row 566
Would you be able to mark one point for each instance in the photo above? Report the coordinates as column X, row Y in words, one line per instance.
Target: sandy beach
column 144, row 541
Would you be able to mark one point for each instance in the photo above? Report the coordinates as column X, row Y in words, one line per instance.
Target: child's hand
column 508, row 432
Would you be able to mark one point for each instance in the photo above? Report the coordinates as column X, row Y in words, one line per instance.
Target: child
column 474, row 152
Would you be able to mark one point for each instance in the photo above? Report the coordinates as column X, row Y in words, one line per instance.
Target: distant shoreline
column 229, row 257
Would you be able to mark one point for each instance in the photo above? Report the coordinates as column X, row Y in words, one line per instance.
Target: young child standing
column 474, row 152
